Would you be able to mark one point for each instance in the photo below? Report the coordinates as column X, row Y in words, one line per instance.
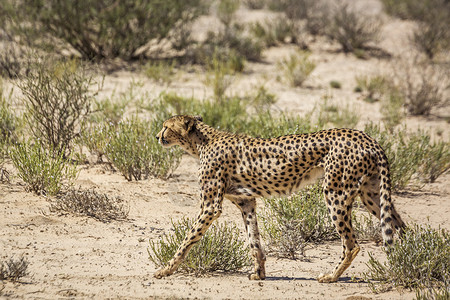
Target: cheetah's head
column 176, row 131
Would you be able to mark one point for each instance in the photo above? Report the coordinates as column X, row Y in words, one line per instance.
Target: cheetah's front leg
column 200, row 226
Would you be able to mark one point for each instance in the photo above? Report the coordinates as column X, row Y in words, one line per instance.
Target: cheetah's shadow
column 289, row 278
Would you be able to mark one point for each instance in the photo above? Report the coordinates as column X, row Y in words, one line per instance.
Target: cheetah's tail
column 390, row 219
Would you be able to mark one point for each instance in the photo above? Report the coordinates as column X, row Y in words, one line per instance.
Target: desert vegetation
column 86, row 87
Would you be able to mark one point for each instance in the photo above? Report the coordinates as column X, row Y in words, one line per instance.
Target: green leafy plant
column 220, row 249
column 161, row 71
column 366, row 226
column 42, row 171
column 392, row 108
column 372, row 87
column 90, row 203
column 95, row 138
column 255, row 4
column 432, row 33
column 297, row 68
column 411, row 154
column 273, row 31
column 351, row 29
column 335, row 84
column 57, row 97
column 102, row 29
column 420, row 260
column 219, row 76
column 8, row 121
column 422, row 85
column 14, row 269
column 336, row 115
column 289, row 224
column 435, row 162
column 135, row 152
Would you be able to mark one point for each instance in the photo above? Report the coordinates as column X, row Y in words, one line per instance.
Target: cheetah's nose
column 156, row 137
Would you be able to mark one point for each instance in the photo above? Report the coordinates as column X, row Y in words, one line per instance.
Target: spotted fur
column 242, row 168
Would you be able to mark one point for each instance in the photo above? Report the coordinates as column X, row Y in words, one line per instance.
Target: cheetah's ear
column 199, row 118
column 189, row 124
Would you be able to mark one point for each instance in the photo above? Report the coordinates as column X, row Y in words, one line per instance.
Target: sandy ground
column 78, row 257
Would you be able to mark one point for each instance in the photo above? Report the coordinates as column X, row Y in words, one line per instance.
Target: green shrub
column 220, row 249
column 442, row 293
column 335, row 84
column 297, row 68
column 372, row 87
column 262, row 100
column 95, row 138
column 112, row 108
column 288, row 224
column 226, row 11
column 351, row 29
column 271, row 32
column 432, row 34
column 161, row 71
column 391, row 108
column 57, row 97
column 411, row 154
column 231, row 42
column 435, row 161
column 103, row 29
column 432, row 37
column 43, row 172
column 420, row 260
column 423, row 85
column 338, row 116
column 219, row 76
column 90, row 203
column 8, row 122
column 134, row 151
column 255, row 4
column 266, row 125
column 366, row 226
column 14, row 269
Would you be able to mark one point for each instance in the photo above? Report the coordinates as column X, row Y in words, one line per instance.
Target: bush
column 421, row 260
column 96, row 138
column 391, row 108
column 410, row 155
column 432, row 37
column 220, row 249
column 372, row 87
column 14, row 269
column 338, row 116
column 219, row 76
column 8, row 122
column 92, row 204
column 161, row 71
column 335, row 84
column 422, row 85
column 226, row 11
column 432, row 34
column 103, row 29
column 351, row 29
column 297, row 68
column 255, row 4
column 135, row 152
column 271, row 32
column 266, row 125
column 57, row 97
column 43, row 172
column 289, row 224
column 366, row 229
column 435, row 161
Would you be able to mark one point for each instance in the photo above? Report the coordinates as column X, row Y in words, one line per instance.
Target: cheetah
column 242, row 168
